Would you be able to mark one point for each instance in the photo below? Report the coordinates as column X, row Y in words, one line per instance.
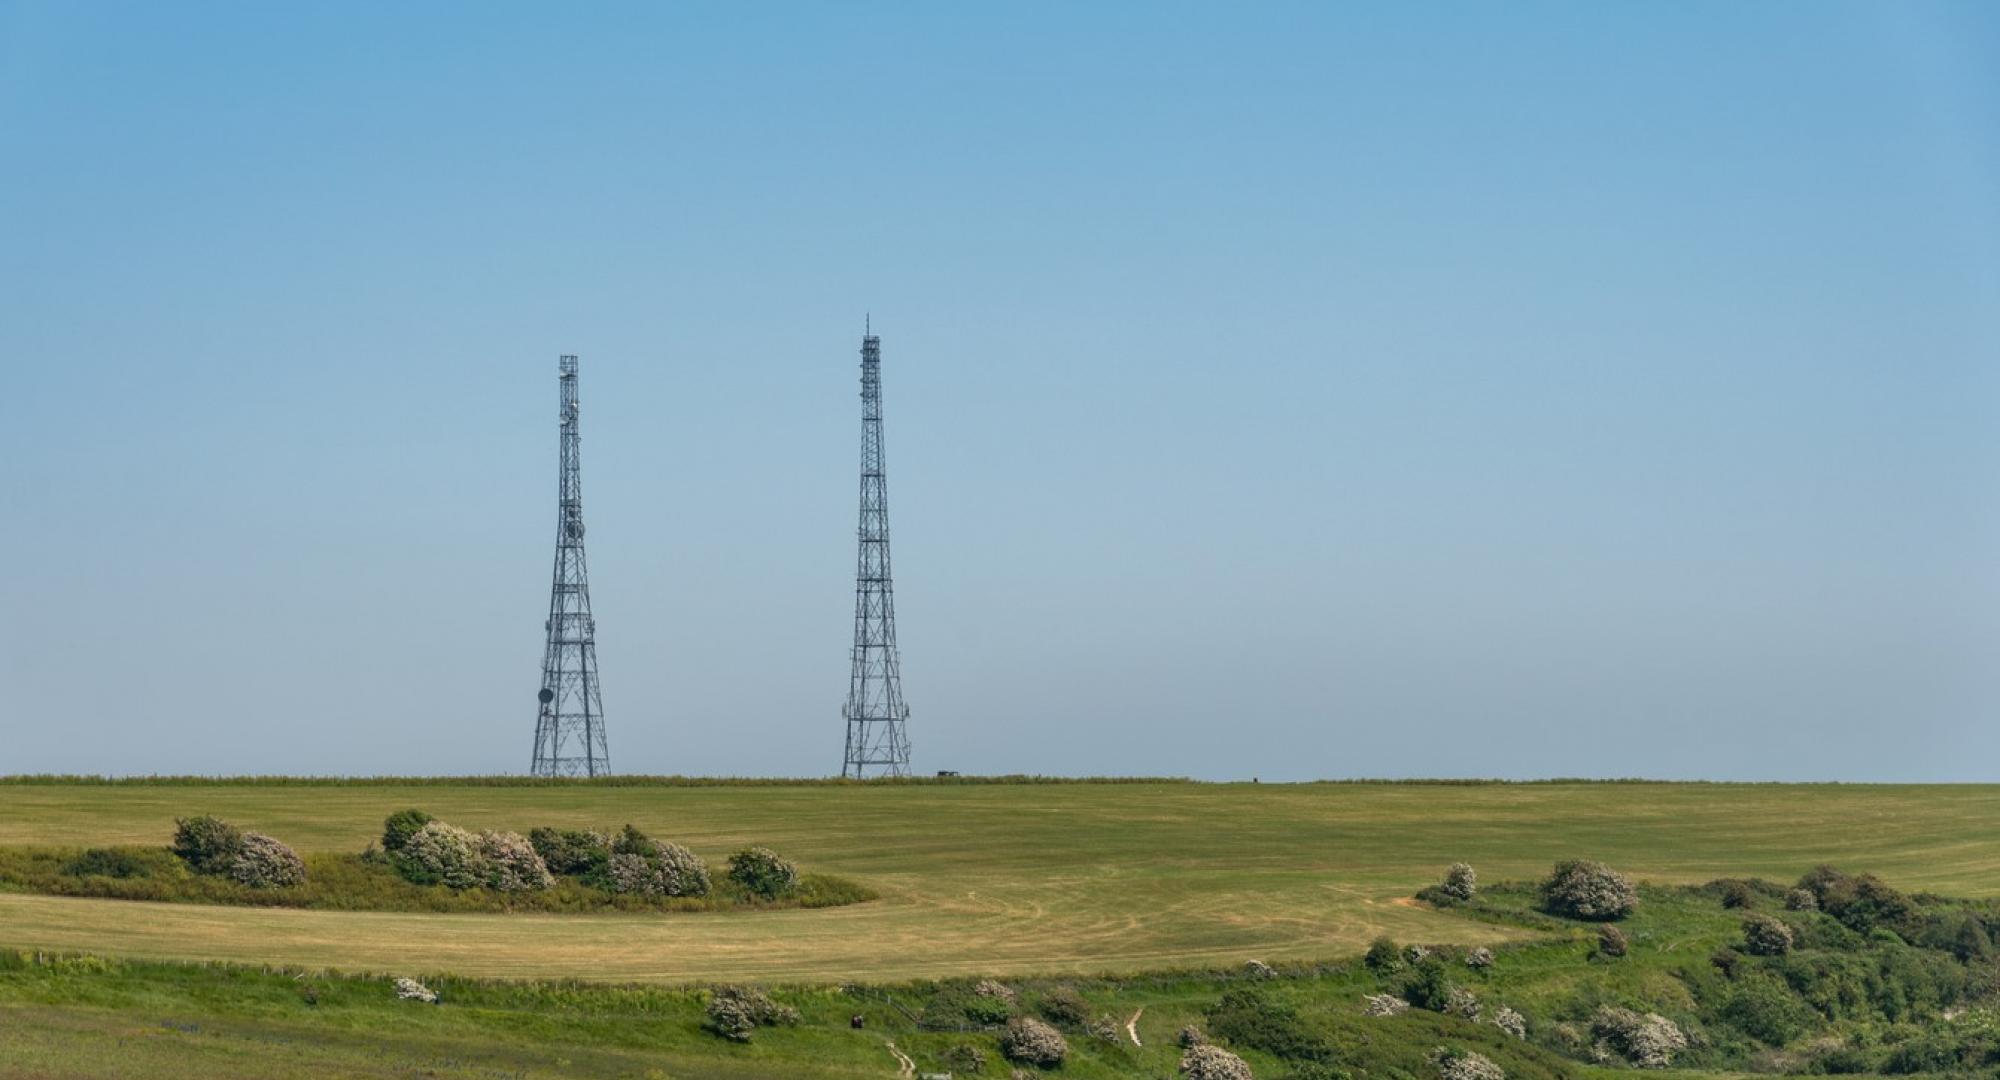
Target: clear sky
column 1287, row 391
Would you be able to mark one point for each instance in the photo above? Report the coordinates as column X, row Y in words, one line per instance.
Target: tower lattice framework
column 569, row 728
column 877, row 743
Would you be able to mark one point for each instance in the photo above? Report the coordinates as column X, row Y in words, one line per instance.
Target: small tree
column 1426, row 985
column 763, row 872
column 1581, row 889
column 1766, row 936
column 1460, row 882
column 208, row 845
column 1612, row 942
column 1031, row 1042
column 1384, row 956
column 400, row 826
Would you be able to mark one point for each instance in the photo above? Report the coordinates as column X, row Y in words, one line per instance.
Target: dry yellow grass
column 1000, row 879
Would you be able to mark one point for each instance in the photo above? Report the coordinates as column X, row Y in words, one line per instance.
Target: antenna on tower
column 569, row 724
column 877, row 744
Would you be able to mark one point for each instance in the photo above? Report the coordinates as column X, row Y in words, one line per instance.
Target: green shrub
column 207, row 844
column 108, row 862
column 1426, row 985
column 1384, row 957
column 762, row 872
column 1735, row 894
column 1765, row 1009
column 1247, row 1017
column 1064, row 1007
column 400, row 826
column 963, row 1058
column 1581, row 889
column 630, row 841
column 572, row 852
column 985, row 1011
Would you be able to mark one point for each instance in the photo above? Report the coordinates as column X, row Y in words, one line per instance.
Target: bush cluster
column 763, row 872
column 1862, row 902
column 1247, row 1017
column 412, row 990
column 1031, row 1042
column 648, row 867
column 214, row 847
column 1581, row 889
column 1204, row 1062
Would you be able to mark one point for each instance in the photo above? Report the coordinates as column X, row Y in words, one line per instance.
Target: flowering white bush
column 1460, row 1002
column 1801, row 900
column 447, row 855
column 1460, row 882
column 1509, row 1021
column 734, row 1012
column 1189, row 1037
column 1582, row 889
column 1765, row 936
column 1206, row 1062
column 1465, row 1065
column 989, row 988
column 1258, row 969
column 672, row 871
column 1647, row 1040
column 412, row 990
column 512, row 862
column 263, row 862
column 1032, row 1042
column 1481, row 957
column 1385, row 1005
column 1415, row 953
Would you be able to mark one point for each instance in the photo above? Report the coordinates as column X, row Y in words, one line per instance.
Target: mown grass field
column 997, row 879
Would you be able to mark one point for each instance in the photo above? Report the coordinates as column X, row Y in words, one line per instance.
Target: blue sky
column 1273, row 390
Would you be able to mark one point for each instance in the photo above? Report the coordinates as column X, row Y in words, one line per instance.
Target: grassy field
column 997, row 879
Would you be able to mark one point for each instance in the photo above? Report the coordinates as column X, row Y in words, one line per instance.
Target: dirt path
column 904, row 1065
column 1132, row 1026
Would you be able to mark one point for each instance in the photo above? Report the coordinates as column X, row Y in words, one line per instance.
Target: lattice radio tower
column 569, row 728
column 877, row 745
